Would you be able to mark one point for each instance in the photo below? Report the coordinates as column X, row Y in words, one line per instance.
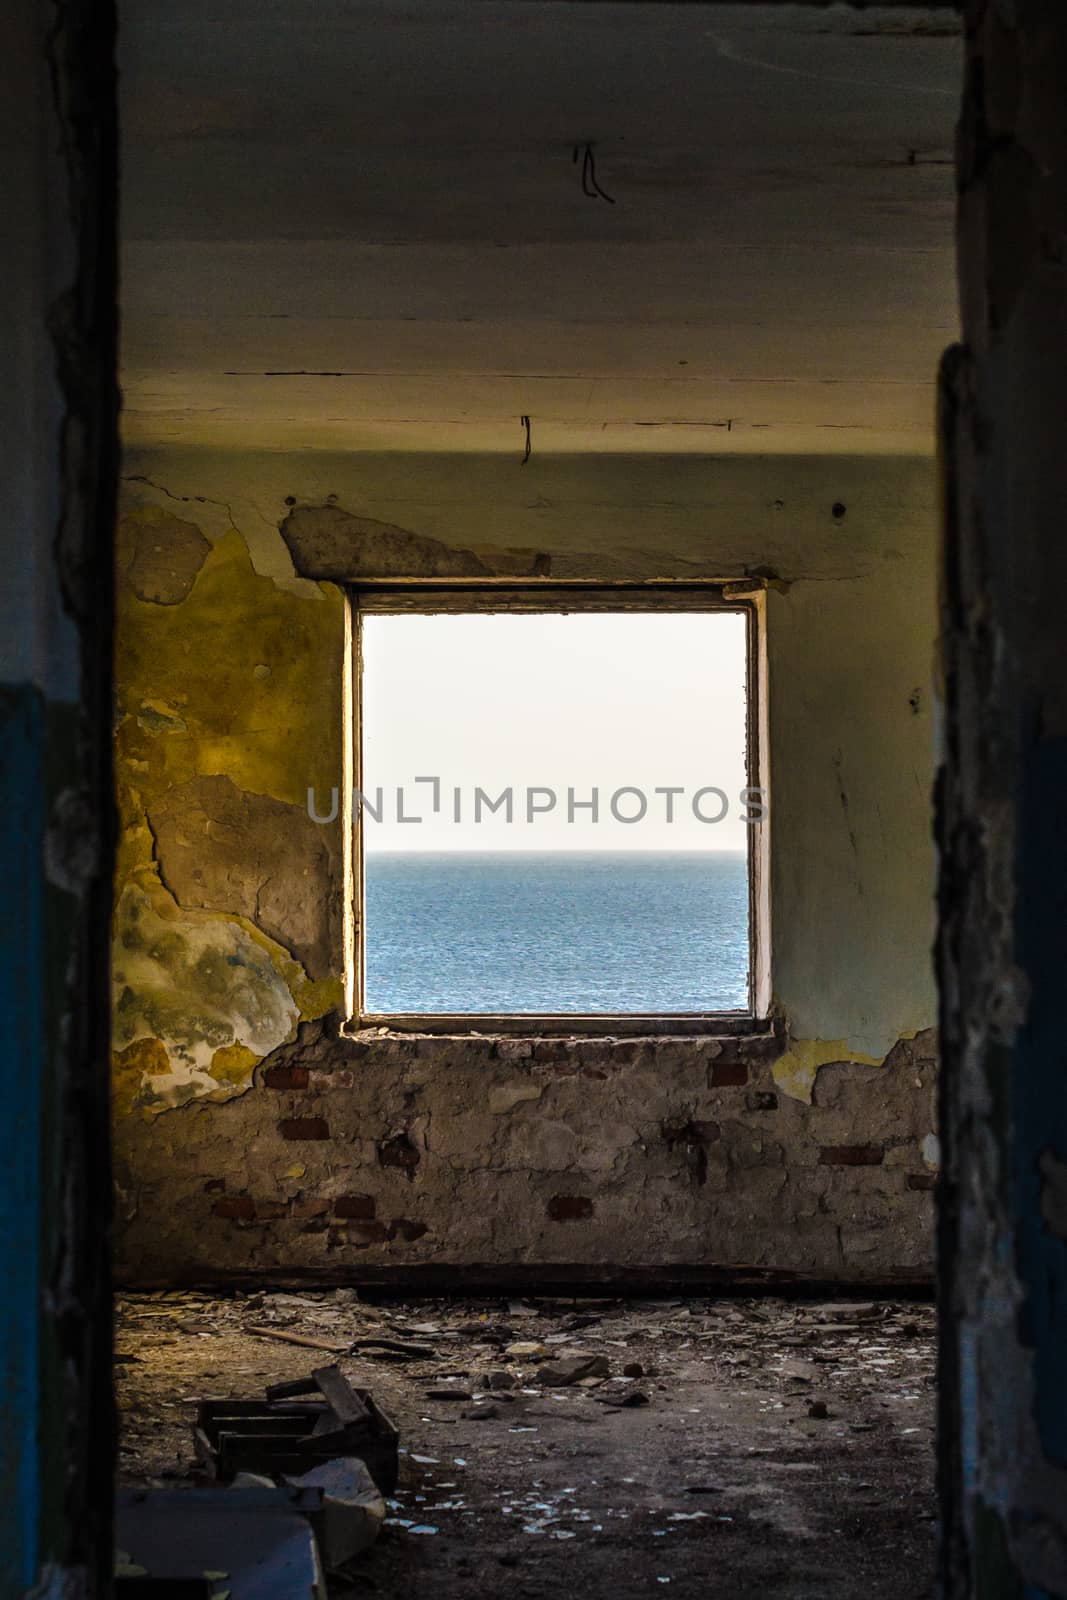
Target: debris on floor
column 286, row 1434
column 342, row 1502
column 784, row 1445
column 306, row 1469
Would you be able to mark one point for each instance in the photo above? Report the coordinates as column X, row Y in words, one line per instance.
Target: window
column 557, row 809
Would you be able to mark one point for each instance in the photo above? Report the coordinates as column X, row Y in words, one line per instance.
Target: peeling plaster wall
column 228, row 915
column 807, row 1154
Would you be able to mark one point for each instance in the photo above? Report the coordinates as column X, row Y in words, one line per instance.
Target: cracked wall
column 228, row 911
column 253, row 1138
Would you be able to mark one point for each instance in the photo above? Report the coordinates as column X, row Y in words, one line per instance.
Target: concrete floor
column 785, row 1449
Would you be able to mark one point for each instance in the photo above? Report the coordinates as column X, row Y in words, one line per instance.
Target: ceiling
column 359, row 225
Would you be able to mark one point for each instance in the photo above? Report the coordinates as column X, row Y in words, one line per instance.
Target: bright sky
column 597, row 700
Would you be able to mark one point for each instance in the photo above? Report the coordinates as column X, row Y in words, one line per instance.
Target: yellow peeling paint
column 272, row 735
column 225, row 681
column 143, row 1058
column 294, row 1172
column 315, row 999
column 156, row 718
column 234, row 1064
column 795, row 1071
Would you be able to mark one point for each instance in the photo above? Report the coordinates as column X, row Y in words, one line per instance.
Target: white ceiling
column 358, row 224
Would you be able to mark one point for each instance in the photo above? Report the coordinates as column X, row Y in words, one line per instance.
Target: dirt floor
column 756, row 1448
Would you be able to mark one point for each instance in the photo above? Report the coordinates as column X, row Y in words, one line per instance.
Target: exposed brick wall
column 507, row 1154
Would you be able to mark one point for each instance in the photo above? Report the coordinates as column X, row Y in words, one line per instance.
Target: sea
column 522, row 932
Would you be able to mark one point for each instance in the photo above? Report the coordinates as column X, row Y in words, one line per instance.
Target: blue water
column 558, row 933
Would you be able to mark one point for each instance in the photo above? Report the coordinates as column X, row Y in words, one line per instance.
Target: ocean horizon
column 562, row 932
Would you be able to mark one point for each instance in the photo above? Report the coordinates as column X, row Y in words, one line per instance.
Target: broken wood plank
column 291, row 1390
column 335, row 1346
column 340, row 1396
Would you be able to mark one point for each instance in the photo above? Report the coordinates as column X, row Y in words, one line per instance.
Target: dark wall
column 1003, row 841
column 58, row 415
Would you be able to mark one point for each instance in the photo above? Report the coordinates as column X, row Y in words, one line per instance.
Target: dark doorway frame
column 1004, row 1095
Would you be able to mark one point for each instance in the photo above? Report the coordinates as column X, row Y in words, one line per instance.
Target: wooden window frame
column 463, row 598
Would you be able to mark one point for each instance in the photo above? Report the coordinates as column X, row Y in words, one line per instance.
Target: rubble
column 499, row 1378
column 353, row 1509
column 742, row 1405
column 572, row 1368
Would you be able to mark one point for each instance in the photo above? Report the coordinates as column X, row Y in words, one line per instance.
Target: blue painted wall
column 22, row 1074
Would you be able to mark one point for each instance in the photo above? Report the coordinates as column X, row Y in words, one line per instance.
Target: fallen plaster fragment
column 571, row 1368
column 353, row 1510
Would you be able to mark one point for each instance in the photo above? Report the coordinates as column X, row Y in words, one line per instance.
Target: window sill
column 704, row 1025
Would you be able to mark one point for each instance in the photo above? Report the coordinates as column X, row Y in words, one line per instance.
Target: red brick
column 922, row 1180
column 304, row 1128
column 728, row 1074
column 271, row 1210
column 286, row 1077
column 359, row 1206
column 851, row 1155
column 302, row 1209
column 569, row 1207
column 238, row 1207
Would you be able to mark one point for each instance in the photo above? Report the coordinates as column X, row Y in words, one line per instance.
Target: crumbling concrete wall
column 253, row 1138
column 1004, row 862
